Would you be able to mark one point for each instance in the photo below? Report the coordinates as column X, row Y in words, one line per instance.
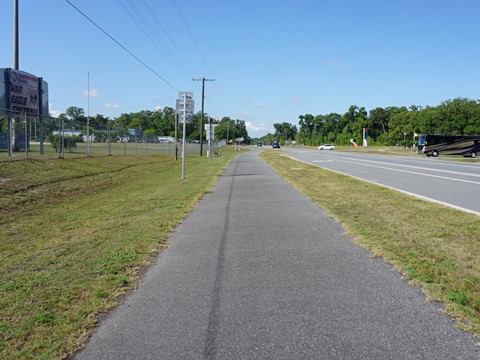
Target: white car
column 326, row 147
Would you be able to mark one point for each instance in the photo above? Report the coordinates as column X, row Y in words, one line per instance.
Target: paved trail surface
column 259, row 272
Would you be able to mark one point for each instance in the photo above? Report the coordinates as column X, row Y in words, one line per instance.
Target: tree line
column 159, row 122
column 386, row 126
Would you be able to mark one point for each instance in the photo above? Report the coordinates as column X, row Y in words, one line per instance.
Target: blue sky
column 272, row 60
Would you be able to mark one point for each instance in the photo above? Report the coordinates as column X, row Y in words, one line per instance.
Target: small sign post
column 184, row 108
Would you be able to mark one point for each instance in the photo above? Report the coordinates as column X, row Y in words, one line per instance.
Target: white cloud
column 256, row 128
column 53, row 112
column 92, row 93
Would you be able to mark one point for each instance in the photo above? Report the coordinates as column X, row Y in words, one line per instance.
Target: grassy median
column 74, row 235
column 434, row 246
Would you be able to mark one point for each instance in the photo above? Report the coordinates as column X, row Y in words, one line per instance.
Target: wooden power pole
column 203, row 101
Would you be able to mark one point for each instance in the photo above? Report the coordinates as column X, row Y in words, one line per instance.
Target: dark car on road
column 276, row 145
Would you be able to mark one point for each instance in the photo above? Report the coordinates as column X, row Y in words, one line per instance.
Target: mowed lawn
column 74, row 235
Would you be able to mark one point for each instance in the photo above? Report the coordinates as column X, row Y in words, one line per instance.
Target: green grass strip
column 74, row 236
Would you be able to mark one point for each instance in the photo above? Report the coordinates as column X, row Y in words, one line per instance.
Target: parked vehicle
column 433, row 145
column 326, row 147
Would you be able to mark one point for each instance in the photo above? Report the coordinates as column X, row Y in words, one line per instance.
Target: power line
column 191, row 36
column 200, row 52
column 168, row 36
column 152, row 35
column 123, row 47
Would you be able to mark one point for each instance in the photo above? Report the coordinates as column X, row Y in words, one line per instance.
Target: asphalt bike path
column 257, row 271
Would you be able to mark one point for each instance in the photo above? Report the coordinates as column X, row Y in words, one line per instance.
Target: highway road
column 451, row 183
column 257, row 271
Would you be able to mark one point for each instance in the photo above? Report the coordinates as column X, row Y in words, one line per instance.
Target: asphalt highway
column 450, row 183
column 257, row 271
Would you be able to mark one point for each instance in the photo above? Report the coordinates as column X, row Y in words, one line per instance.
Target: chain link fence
column 50, row 137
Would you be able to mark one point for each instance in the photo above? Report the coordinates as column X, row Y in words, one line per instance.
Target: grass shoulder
column 75, row 235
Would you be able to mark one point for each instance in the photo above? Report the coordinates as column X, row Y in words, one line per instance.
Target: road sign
column 210, row 131
column 185, row 106
column 187, row 94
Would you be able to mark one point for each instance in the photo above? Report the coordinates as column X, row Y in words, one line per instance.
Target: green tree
column 401, row 127
column 285, row 131
column 76, row 113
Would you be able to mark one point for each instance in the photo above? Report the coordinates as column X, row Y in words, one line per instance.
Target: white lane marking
column 393, row 188
column 416, row 167
column 414, row 172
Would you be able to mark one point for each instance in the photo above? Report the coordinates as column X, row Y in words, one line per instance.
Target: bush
column 70, row 142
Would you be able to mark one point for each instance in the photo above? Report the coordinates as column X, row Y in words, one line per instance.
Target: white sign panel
column 180, row 107
column 211, row 133
column 188, row 94
column 185, row 103
column 24, row 97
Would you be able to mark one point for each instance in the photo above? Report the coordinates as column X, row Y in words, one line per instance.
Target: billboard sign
column 24, row 93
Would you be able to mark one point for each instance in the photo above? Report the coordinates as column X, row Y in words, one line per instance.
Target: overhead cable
column 191, row 36
column 123, row 47
column 150, row 33
column 168, row 36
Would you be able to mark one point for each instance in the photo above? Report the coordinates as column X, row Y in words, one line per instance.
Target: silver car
column 326, row 147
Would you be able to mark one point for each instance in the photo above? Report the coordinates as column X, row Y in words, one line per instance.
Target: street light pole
column 15, row 35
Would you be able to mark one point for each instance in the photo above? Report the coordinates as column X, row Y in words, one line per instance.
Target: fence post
column 109, row 144
column 26, row 136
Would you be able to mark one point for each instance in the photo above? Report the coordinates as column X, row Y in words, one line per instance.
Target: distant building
column 166, row 139
column 68, row 132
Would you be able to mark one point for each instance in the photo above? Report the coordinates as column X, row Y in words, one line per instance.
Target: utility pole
column 15, row 35
column 203, row 100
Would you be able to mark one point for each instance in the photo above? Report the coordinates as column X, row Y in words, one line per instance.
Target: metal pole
column 201, row 119
column 10, row 134
column 26, row 136
column 209, row 140
column 109, row 147
column 176, row 136
column 88, row 113
column 15, row 35
column 184, row 131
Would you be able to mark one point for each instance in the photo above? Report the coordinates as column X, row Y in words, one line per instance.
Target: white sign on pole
column 187, row 94
column 185, row 109
column 211, row 133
